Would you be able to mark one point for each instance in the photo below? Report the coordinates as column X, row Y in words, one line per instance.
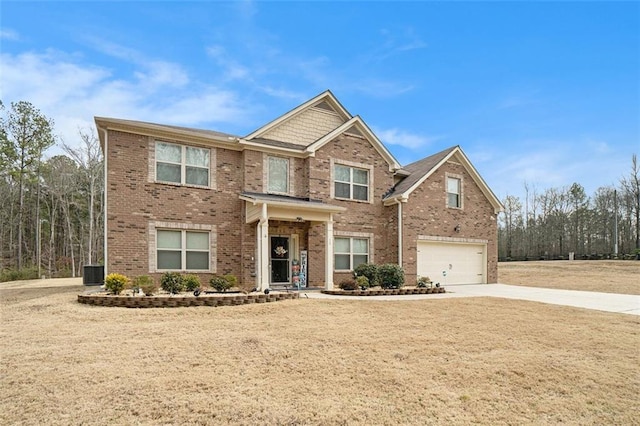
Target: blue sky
column 542, row 92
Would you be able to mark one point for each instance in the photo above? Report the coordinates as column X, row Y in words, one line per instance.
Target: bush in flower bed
column 115, row 283
column 349, row 285
column 146, row 284
column 171, row 282
column 368, row 270
column 220, row 284
column 191, row 282
column 362, row 282
column 391, row 275
column 424, row 282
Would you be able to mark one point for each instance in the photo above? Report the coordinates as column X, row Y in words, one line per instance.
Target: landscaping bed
column 173, row 301
column 386, row 292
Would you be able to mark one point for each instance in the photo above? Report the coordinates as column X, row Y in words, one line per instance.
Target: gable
column 306, row 127
column 422, row 169
column 306, row 123
column 357, row 127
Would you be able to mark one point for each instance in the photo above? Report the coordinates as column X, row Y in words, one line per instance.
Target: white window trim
column 174, row 226
column 446, row 190
column 153, row 164
column 266, row 175
column 356, row 165
column 351, row 236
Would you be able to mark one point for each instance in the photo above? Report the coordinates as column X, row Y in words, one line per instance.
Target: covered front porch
column 294, row 240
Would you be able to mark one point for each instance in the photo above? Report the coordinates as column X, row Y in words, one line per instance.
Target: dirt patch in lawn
column 309, row 361
column 607, row 276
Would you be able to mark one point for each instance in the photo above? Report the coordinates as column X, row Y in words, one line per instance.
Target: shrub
column 191, row 282
column 115, row 283
column 146, row 284
column 220, row 284
column 362, row 282
column 391, row 275
column 424, row 282
column 348, row 285
column 171, row 282
column 231, row 279
column 368, row 270
column 16, row 275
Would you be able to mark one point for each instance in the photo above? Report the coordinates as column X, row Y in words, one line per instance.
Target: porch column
column 328, row 273
column 263, row 250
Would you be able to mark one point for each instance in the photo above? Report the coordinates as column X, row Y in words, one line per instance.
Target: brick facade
column 138, row 205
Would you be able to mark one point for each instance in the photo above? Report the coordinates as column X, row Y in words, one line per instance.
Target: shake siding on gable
column 426, row 214
column 306, row 127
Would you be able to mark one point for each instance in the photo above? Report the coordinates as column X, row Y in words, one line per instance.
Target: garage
column 452, row 262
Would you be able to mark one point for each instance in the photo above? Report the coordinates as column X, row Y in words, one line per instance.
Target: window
column 182, row 250
column 453, row 192
column 350, row 252
column 278, row 174
column 351, row 183
column 182, row 164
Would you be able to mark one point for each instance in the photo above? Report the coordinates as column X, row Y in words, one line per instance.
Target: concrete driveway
column 608, row 302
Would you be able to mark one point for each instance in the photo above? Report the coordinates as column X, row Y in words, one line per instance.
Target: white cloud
column 72, row 93
column 8, row 34
column 404, row 139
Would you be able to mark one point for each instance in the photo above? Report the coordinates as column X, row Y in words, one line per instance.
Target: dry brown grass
column 462, row 361
column 607, row 276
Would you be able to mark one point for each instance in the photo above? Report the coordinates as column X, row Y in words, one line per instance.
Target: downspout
column 400, row 247
column 104, row 195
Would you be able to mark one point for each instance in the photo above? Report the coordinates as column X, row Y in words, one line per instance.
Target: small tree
column 391, row 276
column 171, row 282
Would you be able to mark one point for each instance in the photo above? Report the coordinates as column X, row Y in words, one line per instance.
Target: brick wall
column 426, row 213
column 361, row 217
column 135, row 202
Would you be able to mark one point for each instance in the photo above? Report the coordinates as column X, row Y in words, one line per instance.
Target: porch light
column 457, row 228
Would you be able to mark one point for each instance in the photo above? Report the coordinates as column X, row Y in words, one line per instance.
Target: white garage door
column 463, row 263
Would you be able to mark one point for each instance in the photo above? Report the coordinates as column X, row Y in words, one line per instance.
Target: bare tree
column 26, row 133
column 88, row 157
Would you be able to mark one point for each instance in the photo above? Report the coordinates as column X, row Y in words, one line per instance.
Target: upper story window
column 182, row 164
column 182, row 250
column 351, row 183
column 278, row 178
column 454, row 190
column 350, row 252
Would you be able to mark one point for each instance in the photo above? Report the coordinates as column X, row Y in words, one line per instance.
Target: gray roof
column 278, row 144
column 167, row 127
column 417, row 171
column 276, row 197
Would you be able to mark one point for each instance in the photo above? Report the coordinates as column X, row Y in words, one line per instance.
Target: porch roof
column 284, row 207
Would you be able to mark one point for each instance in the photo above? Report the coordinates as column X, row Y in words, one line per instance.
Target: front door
column 280, row 260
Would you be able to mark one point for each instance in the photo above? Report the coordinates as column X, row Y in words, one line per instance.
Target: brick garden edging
column 386, row 292
column 182, row 301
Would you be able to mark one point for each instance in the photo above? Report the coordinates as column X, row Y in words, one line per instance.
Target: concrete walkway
column 608, row 302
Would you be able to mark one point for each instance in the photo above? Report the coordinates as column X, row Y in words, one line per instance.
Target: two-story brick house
column 314, row 187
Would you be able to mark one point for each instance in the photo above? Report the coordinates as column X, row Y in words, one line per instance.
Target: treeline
column 51, row 209
column 552, row 223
